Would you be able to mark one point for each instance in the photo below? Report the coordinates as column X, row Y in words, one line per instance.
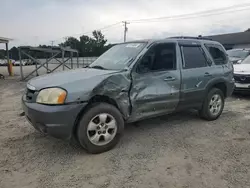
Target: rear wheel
column 100, row 128
column 213, row 105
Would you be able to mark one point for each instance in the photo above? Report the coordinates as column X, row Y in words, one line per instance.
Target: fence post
column 21, row 67
column 63, row 58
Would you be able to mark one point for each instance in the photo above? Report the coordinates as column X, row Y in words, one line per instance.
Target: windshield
column 246, row 61
column 118, row 57
column 238, row 53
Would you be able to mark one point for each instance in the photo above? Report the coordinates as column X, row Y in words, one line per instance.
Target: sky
column 33, row 22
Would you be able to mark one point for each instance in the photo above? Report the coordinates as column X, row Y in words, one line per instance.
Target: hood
column 235, row 59
column 63, row 78
column 242, row 69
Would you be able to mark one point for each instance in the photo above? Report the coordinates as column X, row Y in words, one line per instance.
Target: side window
column 194, row 57
column 159, row 58
column 217, row 54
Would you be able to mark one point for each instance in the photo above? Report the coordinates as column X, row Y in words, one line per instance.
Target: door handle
column 169, row 78
column 207, row 74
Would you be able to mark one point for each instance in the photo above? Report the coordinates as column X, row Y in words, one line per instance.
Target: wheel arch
column 96, row 99
column 220, row 84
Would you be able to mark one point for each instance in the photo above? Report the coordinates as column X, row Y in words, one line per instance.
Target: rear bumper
column 57, row 121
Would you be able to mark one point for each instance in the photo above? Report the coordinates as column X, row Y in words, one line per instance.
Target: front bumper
column 57, row 121
column 242, row 87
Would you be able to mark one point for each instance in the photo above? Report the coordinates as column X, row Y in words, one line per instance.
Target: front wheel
column 213, row 105
column 100, row 128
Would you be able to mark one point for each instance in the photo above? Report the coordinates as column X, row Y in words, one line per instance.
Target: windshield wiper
column 98, row 67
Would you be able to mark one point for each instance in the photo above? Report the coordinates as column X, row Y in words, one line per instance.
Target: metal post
column 63, row 58
column 36, row 69
column 8, row 58
column 7, row 52
column 21, row 66
column 77, row 60
column 47, row 64
column 71, row 59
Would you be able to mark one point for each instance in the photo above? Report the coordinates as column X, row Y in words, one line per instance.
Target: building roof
column 4, row 40
column 232, row 38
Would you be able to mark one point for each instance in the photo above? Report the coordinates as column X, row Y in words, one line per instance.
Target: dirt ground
column 178, row 150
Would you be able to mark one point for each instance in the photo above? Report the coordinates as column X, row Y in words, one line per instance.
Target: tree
column 99, row 38
column 88, row 46
column 72, row 42
column 14, row 53
column 100, row 41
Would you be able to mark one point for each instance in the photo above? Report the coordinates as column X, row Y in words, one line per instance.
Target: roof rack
column 187, row 37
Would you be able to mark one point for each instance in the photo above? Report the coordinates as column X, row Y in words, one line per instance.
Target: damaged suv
column 130, row 82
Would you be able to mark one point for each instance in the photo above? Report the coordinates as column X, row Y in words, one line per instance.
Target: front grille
column 242, row 78
column 30, row 94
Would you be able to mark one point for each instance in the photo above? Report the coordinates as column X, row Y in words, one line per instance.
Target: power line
column 218, row 11
column 196, row 14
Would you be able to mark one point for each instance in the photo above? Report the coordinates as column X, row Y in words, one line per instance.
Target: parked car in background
column 242, row 76
column 3, row 62
column 130, row 82
column 17, row 63
column 13, row 61
column 29, row 62
column 236, row 56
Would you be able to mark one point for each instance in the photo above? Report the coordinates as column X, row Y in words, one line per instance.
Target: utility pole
column 125, row 30
column 52, row 43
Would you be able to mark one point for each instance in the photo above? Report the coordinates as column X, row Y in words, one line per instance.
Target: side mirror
column 143, row 65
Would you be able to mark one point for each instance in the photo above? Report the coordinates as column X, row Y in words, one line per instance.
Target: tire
column 207, row 108
column 94, row 118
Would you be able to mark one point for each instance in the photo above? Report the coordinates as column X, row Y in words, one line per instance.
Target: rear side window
column 193, row 57
column 217, row 54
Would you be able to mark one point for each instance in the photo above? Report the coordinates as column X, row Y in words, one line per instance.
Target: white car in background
column 236, row 56
column 17, row 63
column 242, row 76
column 3, row 62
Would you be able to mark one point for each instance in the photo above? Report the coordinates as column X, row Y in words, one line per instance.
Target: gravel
column 178, row 150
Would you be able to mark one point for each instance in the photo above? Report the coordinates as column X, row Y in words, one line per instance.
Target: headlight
column 51, row 96
column 239, row 61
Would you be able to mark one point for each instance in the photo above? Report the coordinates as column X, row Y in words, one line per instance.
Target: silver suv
column 130, row 82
